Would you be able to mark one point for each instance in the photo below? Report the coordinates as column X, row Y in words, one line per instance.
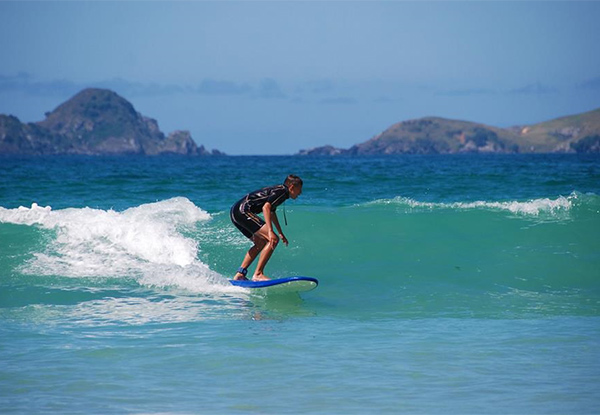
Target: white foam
column 143, row 242
column 140, row 310
column 533, row 207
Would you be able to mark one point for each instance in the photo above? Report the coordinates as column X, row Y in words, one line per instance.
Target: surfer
column 244, row 215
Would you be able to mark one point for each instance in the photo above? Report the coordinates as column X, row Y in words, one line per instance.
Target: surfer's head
column 294, row 185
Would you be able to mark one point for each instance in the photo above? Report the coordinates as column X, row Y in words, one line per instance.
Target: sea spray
column 144, row 242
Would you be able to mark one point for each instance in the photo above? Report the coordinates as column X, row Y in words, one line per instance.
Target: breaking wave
column 146, row 243
column 532, row 207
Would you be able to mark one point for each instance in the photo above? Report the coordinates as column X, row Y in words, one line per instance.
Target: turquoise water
column 448, row 284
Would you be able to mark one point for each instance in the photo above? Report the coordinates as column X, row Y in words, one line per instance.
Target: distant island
column 433, row 135
column 100, row 122
column 94, row 122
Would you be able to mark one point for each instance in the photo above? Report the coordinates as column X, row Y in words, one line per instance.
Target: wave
column 437, row 262
column 174, row 243
column 146, row 243
column 531, row 207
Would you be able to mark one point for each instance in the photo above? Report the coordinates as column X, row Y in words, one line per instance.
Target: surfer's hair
column 292, row 179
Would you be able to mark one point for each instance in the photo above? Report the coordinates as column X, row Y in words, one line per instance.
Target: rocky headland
column 433, row 135
column 94, row 122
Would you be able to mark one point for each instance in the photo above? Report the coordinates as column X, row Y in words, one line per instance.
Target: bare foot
column 240, row 277
column 260, row 277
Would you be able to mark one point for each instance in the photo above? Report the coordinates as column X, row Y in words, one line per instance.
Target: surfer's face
column 295, row 191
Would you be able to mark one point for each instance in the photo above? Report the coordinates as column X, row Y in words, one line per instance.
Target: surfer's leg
column 249, row 224
column 265, row 254
column 250, row 257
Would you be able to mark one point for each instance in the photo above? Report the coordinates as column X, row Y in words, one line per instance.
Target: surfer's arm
column 270, row 219
column 278, row 226
column 273, row 239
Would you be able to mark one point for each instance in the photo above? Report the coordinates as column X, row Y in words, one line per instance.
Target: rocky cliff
column 94, row 122
column 432, row 135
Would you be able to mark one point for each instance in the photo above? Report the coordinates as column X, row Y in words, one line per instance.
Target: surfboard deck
column 280, row 285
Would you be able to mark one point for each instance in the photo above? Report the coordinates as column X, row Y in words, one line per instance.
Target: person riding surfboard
column 244, row 215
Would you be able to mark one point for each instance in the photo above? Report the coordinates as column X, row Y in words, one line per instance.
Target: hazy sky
column 274, row 77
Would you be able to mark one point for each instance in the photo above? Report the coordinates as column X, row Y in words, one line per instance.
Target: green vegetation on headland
column 94, row 122
column 431, row 135
column 100, row 122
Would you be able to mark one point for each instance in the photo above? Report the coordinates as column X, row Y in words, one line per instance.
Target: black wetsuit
column 244, row 212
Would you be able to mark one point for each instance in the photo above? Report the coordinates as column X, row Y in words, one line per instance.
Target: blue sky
column 274, row 77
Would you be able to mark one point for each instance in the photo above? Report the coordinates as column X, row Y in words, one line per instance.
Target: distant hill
column 575, row 133
column 94, row 122
column 432, row 135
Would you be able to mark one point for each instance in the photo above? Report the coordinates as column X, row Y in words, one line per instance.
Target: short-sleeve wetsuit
column 244, row 213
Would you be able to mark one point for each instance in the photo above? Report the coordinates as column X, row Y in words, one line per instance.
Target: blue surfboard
column 280, row 285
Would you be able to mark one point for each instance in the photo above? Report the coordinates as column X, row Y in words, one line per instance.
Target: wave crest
column 532, row 207
column 142, row 242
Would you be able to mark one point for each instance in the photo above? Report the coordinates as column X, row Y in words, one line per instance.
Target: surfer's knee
column 259, row 242
column 271, row 245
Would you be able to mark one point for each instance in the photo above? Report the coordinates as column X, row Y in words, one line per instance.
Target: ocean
column 463, row 284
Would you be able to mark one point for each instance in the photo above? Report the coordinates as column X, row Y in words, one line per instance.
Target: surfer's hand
column 284, row 239
column 273, row 239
